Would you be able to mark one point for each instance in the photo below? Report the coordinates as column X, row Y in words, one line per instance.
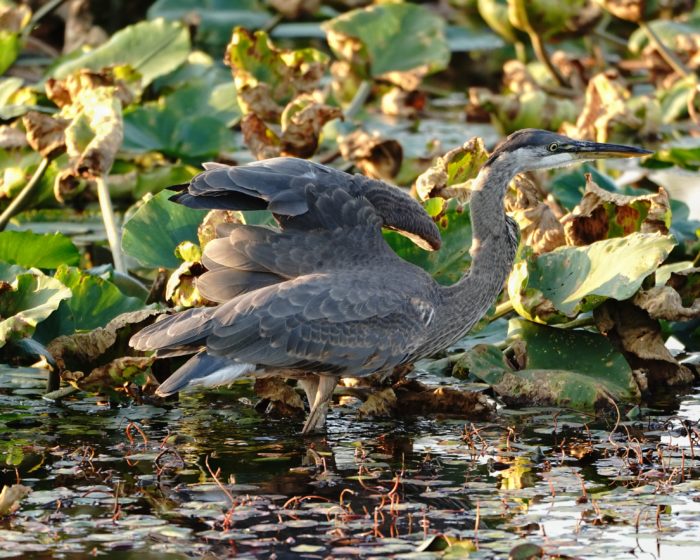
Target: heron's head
column 530, row 149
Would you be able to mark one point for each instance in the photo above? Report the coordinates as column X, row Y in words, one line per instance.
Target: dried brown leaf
column 260, row 139
column 46, row 134
column 115, row 373
column 398, row 102
column 639, row 338
column 302, row 122
column 10, row 498
column 415, row 398
column 663, row 302
column 379, row 403
column 602, row 215
column 279, row 397
column 375, row 156
column 214, row 224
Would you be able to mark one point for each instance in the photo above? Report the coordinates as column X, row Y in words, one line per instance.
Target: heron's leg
column 317, row 416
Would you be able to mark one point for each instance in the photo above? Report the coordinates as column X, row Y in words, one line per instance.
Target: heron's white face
column 541, row 157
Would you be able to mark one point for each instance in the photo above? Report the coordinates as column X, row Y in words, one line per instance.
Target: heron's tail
column 203, row 370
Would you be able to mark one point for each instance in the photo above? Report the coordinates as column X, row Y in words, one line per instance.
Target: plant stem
column 358, row 101
column 501, row 310
column 667, row 54
column 110, row 221
column 19, row 202
column 543, row 56
column 580, row 322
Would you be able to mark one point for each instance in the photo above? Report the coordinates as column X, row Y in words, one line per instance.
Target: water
column 210, row 475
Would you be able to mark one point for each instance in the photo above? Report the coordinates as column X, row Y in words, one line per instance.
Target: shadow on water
column 208, row 475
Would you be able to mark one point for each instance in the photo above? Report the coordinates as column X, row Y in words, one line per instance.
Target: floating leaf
column 27, row 298
column 570, row 280
column 390, row 38
column 449, row 263
column 594, row 372
column 157, row 228
column 39, row 250
column 151, row 48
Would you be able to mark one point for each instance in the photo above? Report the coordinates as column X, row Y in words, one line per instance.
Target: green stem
column 358, row 101
column 667, row 54
column 20, row 201
column 580, row 322
column 36, row 16
column 110, row 221
column 543, row 56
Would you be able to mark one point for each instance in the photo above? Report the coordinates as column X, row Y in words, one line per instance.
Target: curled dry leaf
column 663, row 302
column 46, row 134
column 214, row 225
column 10, row 498
column 278, row 398
column 12, row 138
column 375, row 156
column 66, row 93
column 639, row 337
column 450, row 175
column 379, row 403
column 181, row 288
column 80, row 352
column 413, row 397
column 539, row 227
column 260, row 139
column 603, row 215
column 398, row 102
column 302, row 121
column 114, row 374
column 605, row 108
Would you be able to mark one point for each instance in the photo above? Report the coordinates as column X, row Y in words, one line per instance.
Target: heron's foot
column 319, row 391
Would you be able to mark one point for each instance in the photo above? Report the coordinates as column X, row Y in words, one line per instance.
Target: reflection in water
column 210, row 475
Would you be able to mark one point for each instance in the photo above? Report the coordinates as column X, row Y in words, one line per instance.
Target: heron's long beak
column 598, row 150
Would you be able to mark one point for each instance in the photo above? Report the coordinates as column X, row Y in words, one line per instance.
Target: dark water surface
column 137, row 481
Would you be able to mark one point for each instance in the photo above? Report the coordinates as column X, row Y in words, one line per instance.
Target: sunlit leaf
column 39, row 250
column 570, row 280
column 157, row 228
column 152, row 48
column 578, row 369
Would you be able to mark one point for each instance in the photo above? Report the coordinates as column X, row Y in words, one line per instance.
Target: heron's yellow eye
column 553, row 147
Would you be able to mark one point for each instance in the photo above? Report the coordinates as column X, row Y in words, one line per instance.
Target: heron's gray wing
column 290, row 189
column 181, row 333
column 353, row 323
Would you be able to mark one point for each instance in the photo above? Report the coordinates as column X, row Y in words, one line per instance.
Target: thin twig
column 19, row 202
column 358, row 101
column 110, row 221
column 667, row 54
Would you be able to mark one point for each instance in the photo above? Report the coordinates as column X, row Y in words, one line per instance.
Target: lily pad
column 570, row 280
column 152, row 48
column 578, row 369
column 390, row 38
column 157, row 228
column 40, row 250
column 28, row 298
column 449, row 263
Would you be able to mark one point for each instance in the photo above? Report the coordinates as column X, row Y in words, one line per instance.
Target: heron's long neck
column 494, row 242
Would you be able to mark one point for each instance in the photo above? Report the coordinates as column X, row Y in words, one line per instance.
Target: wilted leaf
column 29, row 249
column 374, row 155
column 379, row 403
column 13, row 19
column 117, row 373
column 45, row 134
column 663, row 302
column 569, row 280
column 151, row 48
column 389, row 40
column 525, row 551
column 413, row 397
column 10, row 498
column 181, row 288
column 449, row 263
column 267, row 78
column 302, row 121
column 81, row 352
column 157, row 228
column 639, row 336
column 450, row 175
column 579, row 369
column 540, row 230
column 278, row 396
column 604, row 215
column 26, row 299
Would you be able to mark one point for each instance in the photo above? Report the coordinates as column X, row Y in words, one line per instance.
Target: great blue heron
column 325, row 296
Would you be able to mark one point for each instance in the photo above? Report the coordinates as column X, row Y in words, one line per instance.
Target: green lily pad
column 190, row 123
column 391, row 37
column 577, row 369
column 94, row 303
column 152, row 48
column 29, row 297
column 449, row 263
column 570, row 280
column 157, row 228
column 39, row 250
